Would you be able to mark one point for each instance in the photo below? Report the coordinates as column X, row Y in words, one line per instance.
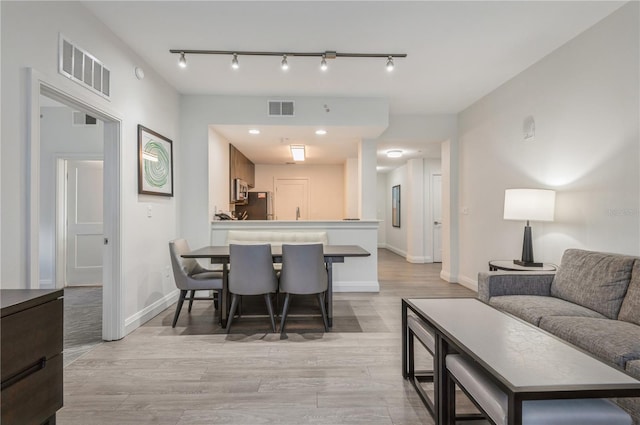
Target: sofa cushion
column 533, row 307
column 594, row 280
column 630, row 310
column 633, row 368
column 613, row 341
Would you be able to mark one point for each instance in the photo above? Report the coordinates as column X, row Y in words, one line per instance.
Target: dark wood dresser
column 31, row 334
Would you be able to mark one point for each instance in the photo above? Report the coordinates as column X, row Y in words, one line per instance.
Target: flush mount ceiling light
column 395, row 153
column 254, row 131
column 328, row 54
column 321, row 132
column 182, row 62
column 297, row 152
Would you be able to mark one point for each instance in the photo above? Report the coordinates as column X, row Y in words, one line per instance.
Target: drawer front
column 29, row 335
column 35, row 398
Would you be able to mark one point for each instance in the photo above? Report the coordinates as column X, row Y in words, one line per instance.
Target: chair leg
column 193, row 295
column 234, row 305
column 183, row 294
column 216, row 299
column 267, row 298
column 285, row 308
column 324, row 311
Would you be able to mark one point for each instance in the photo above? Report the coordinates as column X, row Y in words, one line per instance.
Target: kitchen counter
column 355, row 275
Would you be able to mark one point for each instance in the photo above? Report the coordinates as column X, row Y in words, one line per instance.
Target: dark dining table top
column 276, row 250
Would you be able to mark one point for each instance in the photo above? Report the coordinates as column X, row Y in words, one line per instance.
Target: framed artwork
column 395, row 206
column 155, row 163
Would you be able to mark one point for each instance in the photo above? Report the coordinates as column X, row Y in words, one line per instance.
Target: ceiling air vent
column 80, row 66
column 80, row 118
column 281, row 108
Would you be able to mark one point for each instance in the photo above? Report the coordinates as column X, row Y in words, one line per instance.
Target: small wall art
column 155, row 163
column 395, row 206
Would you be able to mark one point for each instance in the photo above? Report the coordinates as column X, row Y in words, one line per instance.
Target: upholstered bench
column 493, row 401
column 275, row 238
column 425, row 336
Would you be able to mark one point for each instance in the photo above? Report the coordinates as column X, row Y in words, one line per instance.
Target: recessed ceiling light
column 321, row 132
column 254, row 131
column 395, row 153
column 297, row 152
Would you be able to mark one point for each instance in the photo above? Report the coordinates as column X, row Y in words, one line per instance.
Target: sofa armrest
column 494, row 284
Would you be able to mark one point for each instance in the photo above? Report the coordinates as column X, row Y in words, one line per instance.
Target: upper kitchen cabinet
column 240, row 167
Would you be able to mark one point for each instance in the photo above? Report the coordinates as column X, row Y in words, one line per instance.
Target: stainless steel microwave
column 239, row 191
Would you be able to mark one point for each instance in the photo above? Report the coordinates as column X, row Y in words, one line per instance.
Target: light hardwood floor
column 194, row 374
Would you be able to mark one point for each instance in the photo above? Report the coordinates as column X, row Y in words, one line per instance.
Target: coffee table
column 524, row 361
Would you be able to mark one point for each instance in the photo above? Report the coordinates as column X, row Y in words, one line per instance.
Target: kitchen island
column 355, row 275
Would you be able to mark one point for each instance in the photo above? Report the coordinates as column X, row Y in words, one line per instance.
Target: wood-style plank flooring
column 194, row 374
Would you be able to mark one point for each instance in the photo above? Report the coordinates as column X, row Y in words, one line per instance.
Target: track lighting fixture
column 323, row 63
column 329, row 54
column 390, row 64
column 182, row 62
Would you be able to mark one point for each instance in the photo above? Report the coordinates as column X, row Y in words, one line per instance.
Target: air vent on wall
column 80, row 118
column 82, row 67
column 281, row 108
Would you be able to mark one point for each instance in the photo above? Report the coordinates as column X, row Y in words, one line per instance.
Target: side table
column 509, row 265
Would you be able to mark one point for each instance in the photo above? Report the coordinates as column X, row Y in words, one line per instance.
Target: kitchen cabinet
column 31, row 342
column 240, row 167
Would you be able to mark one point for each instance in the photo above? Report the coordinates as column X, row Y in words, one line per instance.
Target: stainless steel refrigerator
column 259, row 206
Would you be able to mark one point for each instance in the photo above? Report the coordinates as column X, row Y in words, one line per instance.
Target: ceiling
column 457, row 53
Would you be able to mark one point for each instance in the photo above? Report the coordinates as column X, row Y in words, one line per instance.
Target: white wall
column 397, row 236
column 383, row 213
column 585, row 100
column 326, row 186
column 30, row 39
column 59, row 137
column 218, row 179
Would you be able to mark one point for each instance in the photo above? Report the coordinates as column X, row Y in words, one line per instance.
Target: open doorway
column 110, row 310
column 71, row 219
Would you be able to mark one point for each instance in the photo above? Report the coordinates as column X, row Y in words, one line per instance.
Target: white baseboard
column 47, row 284
column 382, row 245
column 418, row 260
column 444, row 275
column 396, row 250
column 149, row 312
column 354, row 286
column 468, row 283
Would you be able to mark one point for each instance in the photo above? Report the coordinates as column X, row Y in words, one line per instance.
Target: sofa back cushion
column 594, row 280
column 630, row 310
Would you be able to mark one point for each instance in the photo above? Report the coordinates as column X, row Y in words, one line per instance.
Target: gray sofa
column 593, row 302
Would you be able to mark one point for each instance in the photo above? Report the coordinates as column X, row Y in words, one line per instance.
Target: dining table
column 220, row 255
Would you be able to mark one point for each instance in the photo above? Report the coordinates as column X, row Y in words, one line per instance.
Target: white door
column 292, row 199
column 436, row 202
column 84, row 222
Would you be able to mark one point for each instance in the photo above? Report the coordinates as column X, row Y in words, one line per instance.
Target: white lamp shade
column 529, row 204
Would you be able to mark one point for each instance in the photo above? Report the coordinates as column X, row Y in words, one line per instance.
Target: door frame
column 113, row 322
column 432, row 224
column 60, row 253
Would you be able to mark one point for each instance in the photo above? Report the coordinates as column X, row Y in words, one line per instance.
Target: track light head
column 284, row 64
column 323, row 63
column 234, row 62
column 390, row 64
column 182, row 62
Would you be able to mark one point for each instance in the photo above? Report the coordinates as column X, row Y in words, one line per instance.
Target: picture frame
column 155, row 163
column 395, row 206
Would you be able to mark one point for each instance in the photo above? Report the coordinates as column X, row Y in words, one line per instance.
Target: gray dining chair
column 191, row 277
column 251, row 272
column 303, row 273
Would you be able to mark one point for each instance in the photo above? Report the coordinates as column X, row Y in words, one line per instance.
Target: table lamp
column 529, row 205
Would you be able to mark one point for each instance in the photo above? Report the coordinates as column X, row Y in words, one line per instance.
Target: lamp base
column 527, row 263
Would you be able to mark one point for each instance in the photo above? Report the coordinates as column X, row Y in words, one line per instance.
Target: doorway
column 39, row 87
column 80, row 250
column 292, row 199
column 436, row 205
